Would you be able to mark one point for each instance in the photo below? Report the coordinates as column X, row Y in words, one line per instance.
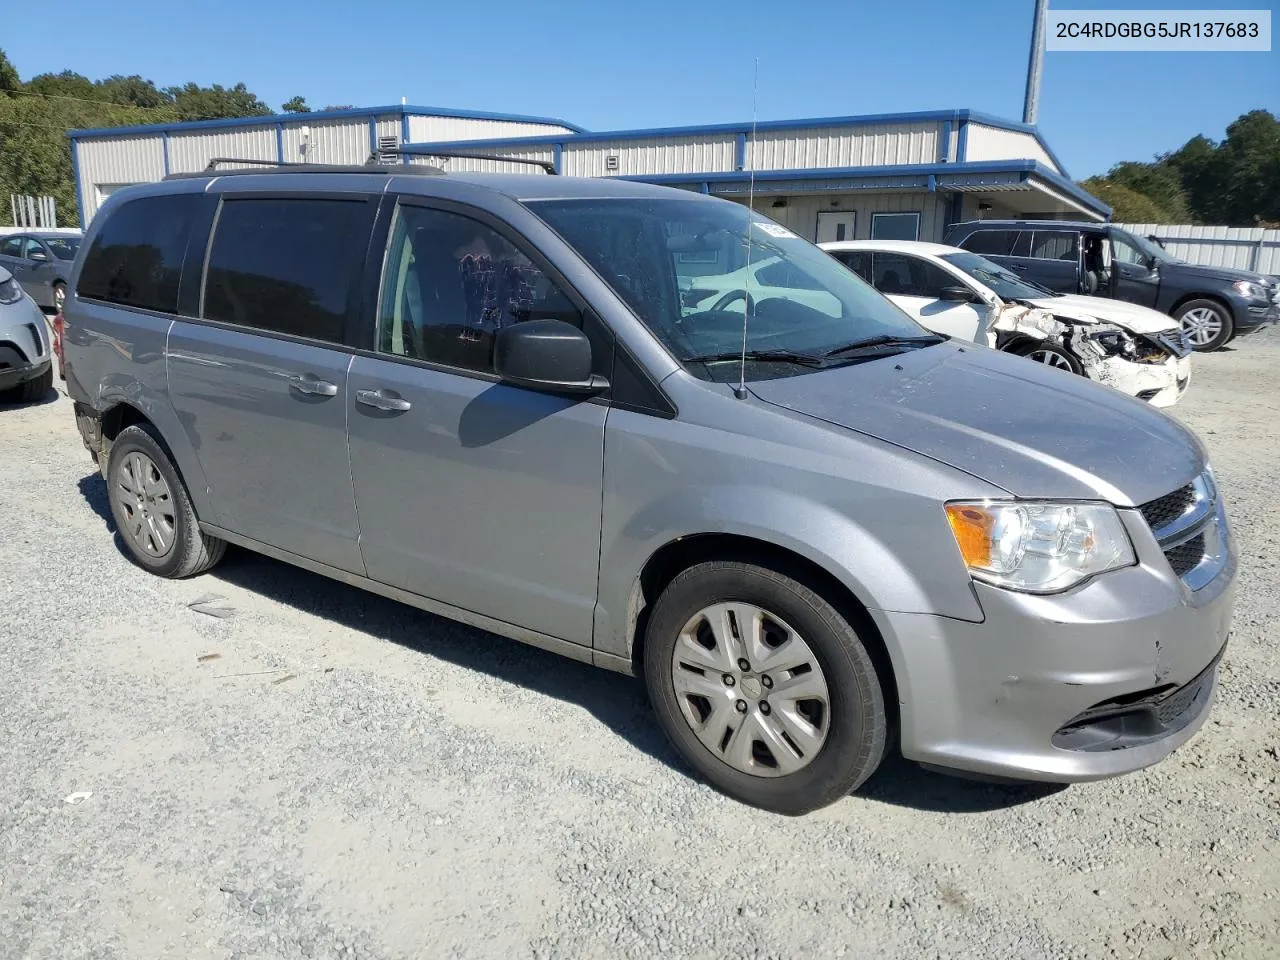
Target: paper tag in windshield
column 775, row 230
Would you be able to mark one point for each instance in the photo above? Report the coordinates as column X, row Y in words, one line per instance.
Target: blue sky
column 658, row 63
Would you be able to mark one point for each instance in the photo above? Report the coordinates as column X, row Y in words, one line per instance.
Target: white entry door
column 836, row 225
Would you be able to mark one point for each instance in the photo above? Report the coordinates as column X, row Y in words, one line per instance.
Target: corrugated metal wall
column 189, row 152
column 461, row 165
column 114, row 161
column 1244, row 248
column 331, row 141
column 992, row 143
column 442, row 129
column 848, row 146
column 712, row 153
column 800, row 215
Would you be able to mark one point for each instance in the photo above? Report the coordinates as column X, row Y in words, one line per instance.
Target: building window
column 286, row 265
column 895, row 226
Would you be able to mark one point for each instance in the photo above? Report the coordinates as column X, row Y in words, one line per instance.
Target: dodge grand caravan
column 486, row 396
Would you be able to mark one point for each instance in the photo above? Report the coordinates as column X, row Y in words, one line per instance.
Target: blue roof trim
column 987, row 120
column 1027, row 168
column 396, row 110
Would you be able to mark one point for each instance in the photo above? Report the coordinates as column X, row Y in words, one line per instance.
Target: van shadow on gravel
column 617, row 701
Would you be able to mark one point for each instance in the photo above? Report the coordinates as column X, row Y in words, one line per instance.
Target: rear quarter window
column 999, row 243
column 136, row 257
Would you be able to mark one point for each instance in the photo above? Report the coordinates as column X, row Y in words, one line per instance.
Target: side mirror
column 548, row 355
column 957, row 294
column 38, row 255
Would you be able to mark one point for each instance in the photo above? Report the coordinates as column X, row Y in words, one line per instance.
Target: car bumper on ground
column 1253, row 315
column 1103, row 680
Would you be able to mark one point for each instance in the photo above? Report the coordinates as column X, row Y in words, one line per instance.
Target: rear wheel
column 763, row 687
column 1206, row 325
column 152, row 510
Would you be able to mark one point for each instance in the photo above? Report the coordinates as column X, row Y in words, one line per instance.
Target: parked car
column 26, row 372
column 816, row 537
column 41, row 262
column 1213, row 304
column 1134, row 349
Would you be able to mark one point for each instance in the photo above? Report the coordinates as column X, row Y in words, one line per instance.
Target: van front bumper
column 1102, row 680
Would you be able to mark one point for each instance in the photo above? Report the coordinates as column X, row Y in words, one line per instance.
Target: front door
column 262, row 386
column 916, row 286
column 1136, row 278
column 836, row 225
column 472, row 492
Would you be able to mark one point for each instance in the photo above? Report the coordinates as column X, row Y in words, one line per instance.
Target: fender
column 857, row 557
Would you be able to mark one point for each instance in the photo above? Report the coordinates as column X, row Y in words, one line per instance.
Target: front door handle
column 310, row 384
column 382, row 400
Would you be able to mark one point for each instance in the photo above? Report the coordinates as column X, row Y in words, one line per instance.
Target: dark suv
column 1213, row 304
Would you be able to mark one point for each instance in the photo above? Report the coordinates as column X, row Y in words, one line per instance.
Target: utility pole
column 1035, row 63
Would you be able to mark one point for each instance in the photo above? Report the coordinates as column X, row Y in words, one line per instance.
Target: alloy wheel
column 146, row 504
column 751, row 689
column 1050, row 358
column 1201, row 325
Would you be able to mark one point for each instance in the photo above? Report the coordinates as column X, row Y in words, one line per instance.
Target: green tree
column 194, row 102
column 1127, row 204
column 1158, row 181
column 1249, row 162
column 295, row 105
column 132, row 91
column 68, row 83
column 10, row 83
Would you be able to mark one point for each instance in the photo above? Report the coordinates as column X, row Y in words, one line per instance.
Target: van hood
column 1130, row 316
column 1029, row 429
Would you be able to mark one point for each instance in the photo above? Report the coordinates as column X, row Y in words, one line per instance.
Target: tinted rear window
column 286, row 265
column 998, row 243
column 136, row 258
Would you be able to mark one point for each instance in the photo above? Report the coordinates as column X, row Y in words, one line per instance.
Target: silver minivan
column 818, row 531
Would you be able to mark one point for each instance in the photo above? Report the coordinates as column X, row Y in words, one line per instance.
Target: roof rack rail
column 290, row 166
column 545, row 165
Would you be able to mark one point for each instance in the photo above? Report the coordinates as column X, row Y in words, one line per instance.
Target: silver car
column 816, row 530
column 41, row 262
column 26, row 367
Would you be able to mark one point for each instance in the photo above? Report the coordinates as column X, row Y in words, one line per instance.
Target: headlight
column 10, row 292
column 1039, row 547
column 1254, row 291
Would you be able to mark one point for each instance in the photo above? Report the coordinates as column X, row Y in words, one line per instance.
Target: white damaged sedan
column 1135, row 349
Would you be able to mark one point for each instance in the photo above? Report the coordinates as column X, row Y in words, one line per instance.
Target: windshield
column 1006, row 284
column 64, row 248
column 692, row 269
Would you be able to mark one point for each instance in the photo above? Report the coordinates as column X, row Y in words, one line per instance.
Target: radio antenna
column 740, row 391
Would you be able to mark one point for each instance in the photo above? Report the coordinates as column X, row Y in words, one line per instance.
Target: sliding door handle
column 382, row 400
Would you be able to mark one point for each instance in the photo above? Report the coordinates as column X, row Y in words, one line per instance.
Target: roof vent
column 386, row 148
column 611, row 163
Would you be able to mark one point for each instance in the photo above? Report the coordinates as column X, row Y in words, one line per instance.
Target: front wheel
column 763, row 687
column 1206, row 325
column 1051, row 355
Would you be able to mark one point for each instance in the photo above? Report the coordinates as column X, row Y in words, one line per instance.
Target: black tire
column 191, row 551
column 1039, row 351
column 857, row 725
column 1226, row 331
column 30, row 391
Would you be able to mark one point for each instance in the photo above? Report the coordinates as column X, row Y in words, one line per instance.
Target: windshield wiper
column 768, row 356
column 882, row 340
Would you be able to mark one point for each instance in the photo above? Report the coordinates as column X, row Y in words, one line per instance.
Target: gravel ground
column 324, row 773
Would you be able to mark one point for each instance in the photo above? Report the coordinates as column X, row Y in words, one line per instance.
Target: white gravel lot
column 327, row 774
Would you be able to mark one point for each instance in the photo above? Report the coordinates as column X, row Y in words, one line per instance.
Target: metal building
column 107, row 159
column 900, row 176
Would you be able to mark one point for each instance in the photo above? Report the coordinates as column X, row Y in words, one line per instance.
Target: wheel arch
column 682, row 553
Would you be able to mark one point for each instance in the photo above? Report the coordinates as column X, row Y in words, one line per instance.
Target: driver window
column 896, row 274
column 1126, row 252
column 451, row 283
column 33, row 247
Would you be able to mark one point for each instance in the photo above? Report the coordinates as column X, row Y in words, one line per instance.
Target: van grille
column 1186, row 556
column 1164, row 510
